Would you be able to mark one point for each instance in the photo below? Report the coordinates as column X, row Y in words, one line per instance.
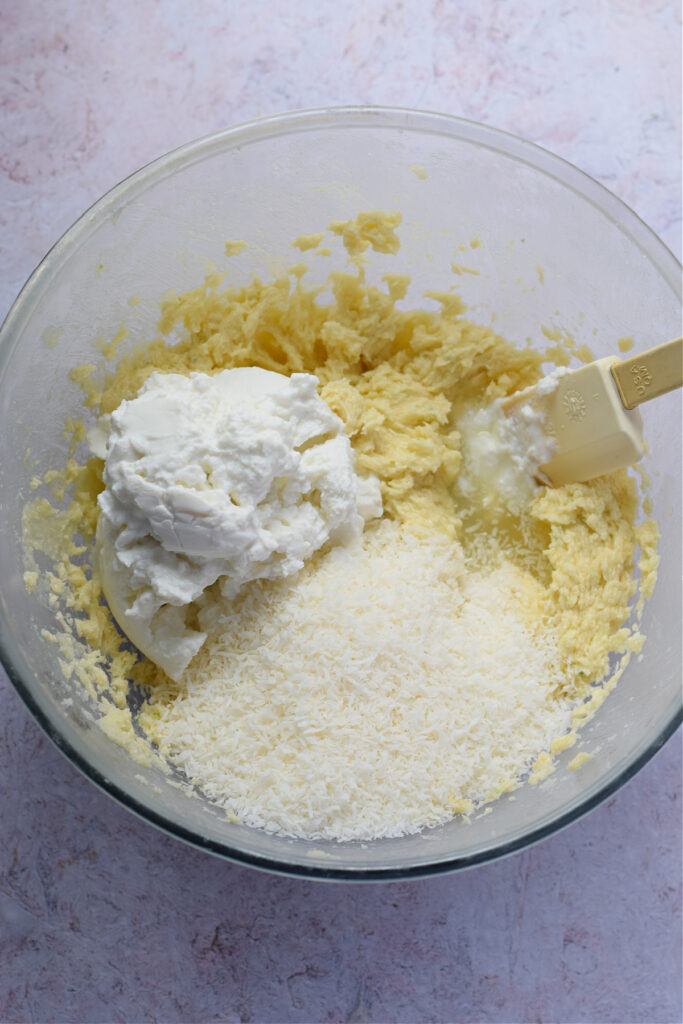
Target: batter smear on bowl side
column 353, row 629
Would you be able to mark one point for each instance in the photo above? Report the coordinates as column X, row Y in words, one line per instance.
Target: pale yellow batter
column 398, row 380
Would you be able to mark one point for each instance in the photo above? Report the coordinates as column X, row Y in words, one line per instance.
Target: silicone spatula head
column 589, row 414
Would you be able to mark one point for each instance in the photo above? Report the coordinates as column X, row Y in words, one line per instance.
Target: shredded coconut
column 343, row 705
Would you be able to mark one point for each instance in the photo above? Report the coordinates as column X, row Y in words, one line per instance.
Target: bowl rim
column 290, row 122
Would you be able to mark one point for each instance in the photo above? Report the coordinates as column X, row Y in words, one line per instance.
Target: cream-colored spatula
column 590, row 415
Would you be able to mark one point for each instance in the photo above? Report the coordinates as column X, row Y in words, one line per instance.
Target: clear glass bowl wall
column 605, row 275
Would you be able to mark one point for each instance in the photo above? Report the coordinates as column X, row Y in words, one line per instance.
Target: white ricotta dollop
column 218, row 479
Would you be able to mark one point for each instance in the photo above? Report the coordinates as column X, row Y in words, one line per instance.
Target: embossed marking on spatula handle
column 650, row 373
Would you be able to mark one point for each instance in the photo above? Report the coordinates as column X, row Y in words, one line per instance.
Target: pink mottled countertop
column 102, row 918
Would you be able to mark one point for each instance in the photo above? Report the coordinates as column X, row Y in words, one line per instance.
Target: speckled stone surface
column 101, row 917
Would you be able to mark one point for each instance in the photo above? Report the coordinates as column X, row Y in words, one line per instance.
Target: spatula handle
column 650, row 373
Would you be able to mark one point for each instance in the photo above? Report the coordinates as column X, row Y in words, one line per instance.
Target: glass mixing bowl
column 556, row 249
